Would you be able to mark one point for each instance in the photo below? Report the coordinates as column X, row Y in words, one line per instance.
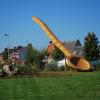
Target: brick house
column 74, row 46
column 51, row 47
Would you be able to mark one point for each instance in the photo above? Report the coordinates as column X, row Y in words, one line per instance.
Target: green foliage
column 97, row 67
column 35, row 57
column 91, row 47
column 31, row 54
column 5, row 54
column 57, row 54
column 52, row 66
column 41, row 55
column 62, row 68
column 25, row 70
column 1, row 72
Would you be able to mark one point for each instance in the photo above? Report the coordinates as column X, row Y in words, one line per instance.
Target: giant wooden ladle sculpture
column 73, row 61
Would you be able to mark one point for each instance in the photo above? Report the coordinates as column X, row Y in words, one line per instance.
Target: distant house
column 22, row 54
column 74, row 46
column 14, row 55
column 51, row 47
column 18, row 54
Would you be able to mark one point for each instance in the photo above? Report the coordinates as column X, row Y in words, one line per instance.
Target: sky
column 68, row 19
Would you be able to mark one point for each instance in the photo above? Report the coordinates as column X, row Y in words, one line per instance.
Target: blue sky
column 68, row 19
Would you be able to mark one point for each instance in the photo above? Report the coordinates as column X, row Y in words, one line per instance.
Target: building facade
column 17, row 54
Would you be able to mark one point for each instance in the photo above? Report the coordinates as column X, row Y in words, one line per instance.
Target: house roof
column 71, row 45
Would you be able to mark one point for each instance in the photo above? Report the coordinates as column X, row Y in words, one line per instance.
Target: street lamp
column 7, row 35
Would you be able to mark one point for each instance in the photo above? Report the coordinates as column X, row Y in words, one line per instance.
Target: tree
column 41, row 55
column 91, row 47
column 57, row 54
column 35, row 57
column 5, row 54
column 30, row 55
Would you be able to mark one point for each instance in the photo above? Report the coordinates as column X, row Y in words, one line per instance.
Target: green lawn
column 78, row 86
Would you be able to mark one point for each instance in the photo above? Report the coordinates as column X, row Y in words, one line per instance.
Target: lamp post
column 7, row 35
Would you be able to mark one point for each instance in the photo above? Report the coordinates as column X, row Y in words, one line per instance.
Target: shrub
column 25, row 70
column 97, row 67
column 62, row 68
column 52, row 66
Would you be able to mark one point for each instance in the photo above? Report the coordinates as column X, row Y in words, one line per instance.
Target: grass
column 78, row 86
